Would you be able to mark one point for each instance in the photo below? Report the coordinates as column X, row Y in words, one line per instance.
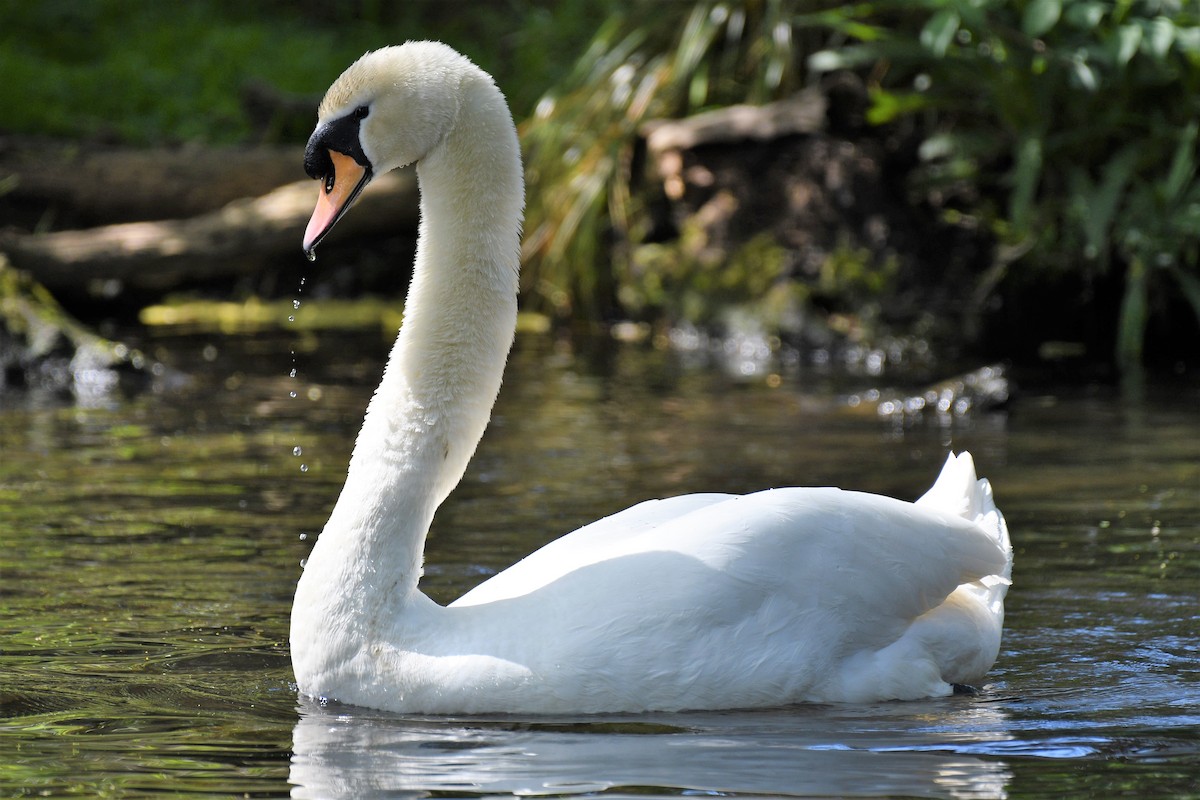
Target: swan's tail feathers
column 958, row 491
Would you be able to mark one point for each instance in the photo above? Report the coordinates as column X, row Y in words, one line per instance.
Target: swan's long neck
column 437, row 392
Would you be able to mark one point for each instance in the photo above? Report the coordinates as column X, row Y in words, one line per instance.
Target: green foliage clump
column 686, row 280
column 853, row 276
column 1069, row 128
column 654, row 61
column 1075, row 122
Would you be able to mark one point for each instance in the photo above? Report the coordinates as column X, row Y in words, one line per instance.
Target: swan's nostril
column 316, row 155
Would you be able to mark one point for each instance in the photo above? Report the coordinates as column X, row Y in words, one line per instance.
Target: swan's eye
column 361, row 112
column 329, row 181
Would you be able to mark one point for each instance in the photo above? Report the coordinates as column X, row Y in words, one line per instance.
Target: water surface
column 150, row 542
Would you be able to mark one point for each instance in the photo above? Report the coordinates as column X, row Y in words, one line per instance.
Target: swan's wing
column 856, row 555
column 851, row 552
column 594, row 542
column 767, row 594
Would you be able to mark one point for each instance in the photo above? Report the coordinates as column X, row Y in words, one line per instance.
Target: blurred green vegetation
column 655, row 60
column 161, row 71
column 1065, row 129
column 1074, row 123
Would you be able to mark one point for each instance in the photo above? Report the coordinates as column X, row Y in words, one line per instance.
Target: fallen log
column 666, row 140
column 804, row 112
column 153, row 257
column 90, row 184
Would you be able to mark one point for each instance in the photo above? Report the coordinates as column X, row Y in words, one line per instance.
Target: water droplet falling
column 297, row 450
column 311, row 255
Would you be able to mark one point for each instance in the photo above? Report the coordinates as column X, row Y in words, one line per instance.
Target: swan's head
column 389, row 109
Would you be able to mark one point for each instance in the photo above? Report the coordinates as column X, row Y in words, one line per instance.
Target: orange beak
column 338, row 192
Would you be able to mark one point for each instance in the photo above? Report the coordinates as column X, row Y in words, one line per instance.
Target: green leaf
column 887, row 106
column 1183, row 165
column 939, row 145
column 1131, row 327
column 1085, row 16
column 1027, row 173
column 1084, row 74
column 1125, row 43
column 960, row 152
column 1101, row 202
column 939, row 31
column 1157, row 35
column 1040, row 16
column 1188, row 40
column 843, row 58
column 843, row 20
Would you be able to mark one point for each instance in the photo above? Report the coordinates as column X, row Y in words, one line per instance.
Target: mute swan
column 704, row 601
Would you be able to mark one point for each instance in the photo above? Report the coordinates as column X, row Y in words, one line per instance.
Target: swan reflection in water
column 909, row 749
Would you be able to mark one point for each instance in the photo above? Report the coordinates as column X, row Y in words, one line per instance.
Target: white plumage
column 697, row 602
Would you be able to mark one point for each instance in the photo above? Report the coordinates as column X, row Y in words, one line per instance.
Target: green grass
column 155, row 71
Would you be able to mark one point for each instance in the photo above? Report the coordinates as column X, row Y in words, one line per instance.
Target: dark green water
column 149, row 546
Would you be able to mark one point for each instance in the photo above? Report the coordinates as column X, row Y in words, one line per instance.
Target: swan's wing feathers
column 861, row 556
column 773, row 590
column 828, row 549
column 597, row 541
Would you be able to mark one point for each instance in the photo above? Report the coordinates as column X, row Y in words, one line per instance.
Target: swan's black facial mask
column 335, row 156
